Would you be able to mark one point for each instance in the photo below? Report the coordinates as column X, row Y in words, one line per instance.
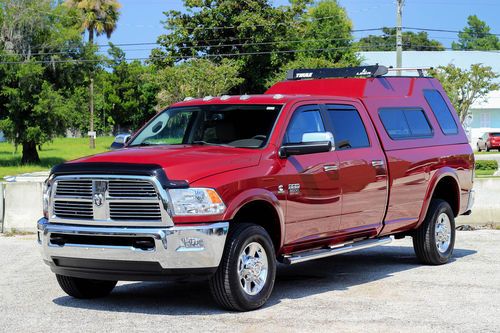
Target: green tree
column 128, row 96
column 35, row 76
column 327, row 32
column 464, row 87
column 196, row 78
column 97, row 17
column 411, row 41
column 476, row 36
column 253, row 29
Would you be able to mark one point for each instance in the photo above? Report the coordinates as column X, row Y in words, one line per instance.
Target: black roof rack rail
column 360, row 71
column 323, row 73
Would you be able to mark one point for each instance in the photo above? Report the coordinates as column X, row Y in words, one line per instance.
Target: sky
column 140, row 20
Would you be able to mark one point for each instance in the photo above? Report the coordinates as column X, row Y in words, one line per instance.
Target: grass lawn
column 486, row 152
column 55, row 152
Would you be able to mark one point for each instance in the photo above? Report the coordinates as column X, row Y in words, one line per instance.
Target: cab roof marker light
column 187, row 99
column 245, row 97
column 225, row 97
column 207, row 98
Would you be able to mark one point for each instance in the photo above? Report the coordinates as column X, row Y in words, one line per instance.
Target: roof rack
column 360, row 71
column 420, row 70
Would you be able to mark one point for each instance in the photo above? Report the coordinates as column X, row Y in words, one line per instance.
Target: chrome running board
column 295, row 258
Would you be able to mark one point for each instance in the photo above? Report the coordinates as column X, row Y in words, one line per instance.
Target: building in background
column 485, row 113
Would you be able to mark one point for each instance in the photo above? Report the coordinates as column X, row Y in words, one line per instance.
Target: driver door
column 311, row 182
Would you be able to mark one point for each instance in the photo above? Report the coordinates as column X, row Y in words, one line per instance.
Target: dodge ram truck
column 225, row 188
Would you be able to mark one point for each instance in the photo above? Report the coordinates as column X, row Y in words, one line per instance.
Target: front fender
column 256, row 194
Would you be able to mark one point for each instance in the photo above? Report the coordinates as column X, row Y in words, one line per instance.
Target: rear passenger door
column 362, row 168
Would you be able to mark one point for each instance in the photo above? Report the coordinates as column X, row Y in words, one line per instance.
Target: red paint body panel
column 357, row 200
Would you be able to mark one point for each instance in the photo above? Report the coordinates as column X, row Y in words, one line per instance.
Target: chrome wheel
column 443, row 232
column 252, row 268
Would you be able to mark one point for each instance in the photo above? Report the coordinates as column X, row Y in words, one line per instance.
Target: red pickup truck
column 223, row 188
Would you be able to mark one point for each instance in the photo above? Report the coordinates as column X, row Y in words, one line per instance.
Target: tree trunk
column 91, row 95
column 30, row 154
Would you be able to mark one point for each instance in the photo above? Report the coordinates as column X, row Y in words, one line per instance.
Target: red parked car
column 489, row 141
column 326, row 162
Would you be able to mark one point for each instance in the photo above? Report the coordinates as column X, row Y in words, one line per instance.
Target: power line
column 216, row 55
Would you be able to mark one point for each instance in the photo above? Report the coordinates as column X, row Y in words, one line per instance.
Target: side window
column 405, row 123
column 306, row 119
column 441, row 111
column 349, row 130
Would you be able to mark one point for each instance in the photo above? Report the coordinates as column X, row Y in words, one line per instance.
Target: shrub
column 486, row 165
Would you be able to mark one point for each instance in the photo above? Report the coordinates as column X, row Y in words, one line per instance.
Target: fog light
column 191, row 244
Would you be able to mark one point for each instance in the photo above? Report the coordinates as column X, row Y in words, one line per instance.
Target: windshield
column 243, row 126
column 496, row 135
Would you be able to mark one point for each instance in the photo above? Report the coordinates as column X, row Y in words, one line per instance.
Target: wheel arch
column 263, row 208
column 439, row 187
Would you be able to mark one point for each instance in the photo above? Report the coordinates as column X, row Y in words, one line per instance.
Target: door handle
column 377, row 163
column 328, row 168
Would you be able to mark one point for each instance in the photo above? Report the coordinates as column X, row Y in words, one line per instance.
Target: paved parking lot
column 381, row 289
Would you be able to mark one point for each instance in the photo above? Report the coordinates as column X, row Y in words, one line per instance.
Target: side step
column 295, row 258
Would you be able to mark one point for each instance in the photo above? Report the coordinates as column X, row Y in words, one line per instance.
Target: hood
column 182, row 162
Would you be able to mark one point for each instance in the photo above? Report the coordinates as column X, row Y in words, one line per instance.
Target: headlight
column 46, row 198
column 196, row 201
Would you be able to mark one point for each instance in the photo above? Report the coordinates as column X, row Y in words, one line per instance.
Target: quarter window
column 405, row 123
column 306, row 119
column 349, row 130
column 441, row 111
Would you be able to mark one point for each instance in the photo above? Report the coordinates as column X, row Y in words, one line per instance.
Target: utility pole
column 399, row 35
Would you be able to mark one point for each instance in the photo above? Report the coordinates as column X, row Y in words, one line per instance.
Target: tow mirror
column 312, row 143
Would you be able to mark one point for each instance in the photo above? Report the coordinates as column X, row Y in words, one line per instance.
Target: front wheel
column 478, row 148
column 245, row 277
column 434, row 240
column 85, row 288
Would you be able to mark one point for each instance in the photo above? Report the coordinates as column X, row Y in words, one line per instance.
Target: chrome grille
column 131, row 189
column 108, row 200
column 134, row 211
column 74, row 188
column 74, row 209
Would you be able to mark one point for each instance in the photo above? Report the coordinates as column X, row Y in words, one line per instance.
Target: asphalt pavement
column 378, row 290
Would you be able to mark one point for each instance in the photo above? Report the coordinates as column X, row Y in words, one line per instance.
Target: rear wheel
column 434, row 240
column 245, row 277
column 85, row 288
column 478, row 148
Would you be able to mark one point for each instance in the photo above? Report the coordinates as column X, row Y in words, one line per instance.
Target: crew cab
column 222, row 188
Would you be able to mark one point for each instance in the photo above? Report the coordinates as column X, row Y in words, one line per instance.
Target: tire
column 478, row 148
column 228, row 286
column 85, row 288
column 425, row 239
column 487, row 148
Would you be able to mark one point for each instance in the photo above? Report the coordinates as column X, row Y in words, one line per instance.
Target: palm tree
column 97, row 17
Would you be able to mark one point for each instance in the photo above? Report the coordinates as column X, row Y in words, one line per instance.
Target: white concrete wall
column 23, row 205
column 486, row 207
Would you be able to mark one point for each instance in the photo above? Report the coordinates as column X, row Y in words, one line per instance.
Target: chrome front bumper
column 175, row 248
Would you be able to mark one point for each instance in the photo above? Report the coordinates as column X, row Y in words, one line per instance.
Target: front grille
column 134, row 211
column 131, row 189
column 74, row 188
column 74, row 209
column 109, row 201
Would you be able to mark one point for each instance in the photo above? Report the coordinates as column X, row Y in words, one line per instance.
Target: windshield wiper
column 203, row 143
column 143, row 144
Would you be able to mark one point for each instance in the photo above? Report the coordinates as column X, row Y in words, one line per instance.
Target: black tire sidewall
column 253, row 233
column 442, row 207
